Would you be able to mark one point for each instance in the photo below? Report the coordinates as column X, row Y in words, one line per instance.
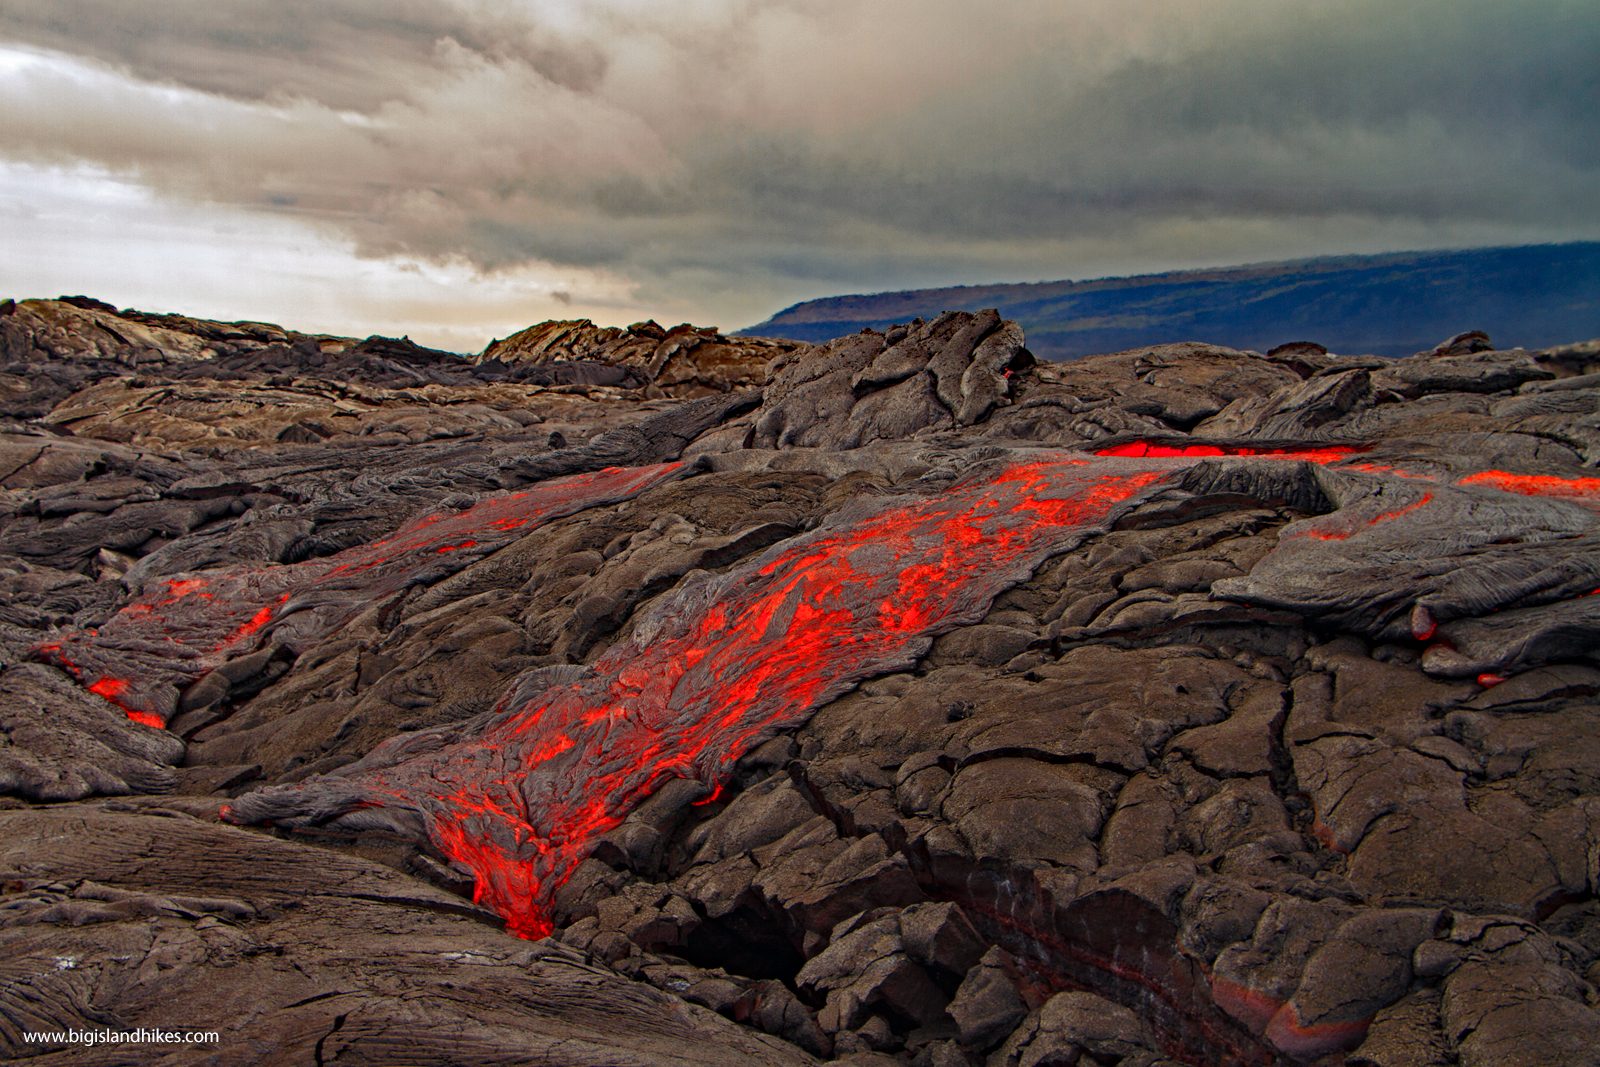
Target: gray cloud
column 342, row 53
column 733, row 155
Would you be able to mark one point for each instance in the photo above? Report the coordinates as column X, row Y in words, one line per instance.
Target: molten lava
column 185, row 625
column 522, row 795
column 721, row 666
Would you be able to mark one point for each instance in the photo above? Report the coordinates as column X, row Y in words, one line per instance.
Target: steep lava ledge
column 925, row 704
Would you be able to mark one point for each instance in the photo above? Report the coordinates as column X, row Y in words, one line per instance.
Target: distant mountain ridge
column 1387, row 305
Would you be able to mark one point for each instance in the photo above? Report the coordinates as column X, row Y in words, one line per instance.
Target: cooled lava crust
column 1179, row 705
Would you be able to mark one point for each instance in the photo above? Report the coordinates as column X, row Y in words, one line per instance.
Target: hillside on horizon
column 1388, row 305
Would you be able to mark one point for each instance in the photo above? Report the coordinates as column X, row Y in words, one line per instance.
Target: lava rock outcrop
column 904, row 701
column 685, row 361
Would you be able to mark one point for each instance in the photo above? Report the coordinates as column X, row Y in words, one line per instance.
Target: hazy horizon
column 458, row 169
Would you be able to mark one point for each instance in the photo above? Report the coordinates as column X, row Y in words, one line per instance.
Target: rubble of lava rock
column 664, row 697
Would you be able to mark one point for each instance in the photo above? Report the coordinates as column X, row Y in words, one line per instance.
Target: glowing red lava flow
column 1585, row 491
column 1153, row 450
column 720, row 665
column 182, row 626
column 723, row 665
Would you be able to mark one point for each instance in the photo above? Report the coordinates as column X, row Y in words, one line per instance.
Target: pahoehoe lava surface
column 658, row 697
column 185, row 625
column 524, row 795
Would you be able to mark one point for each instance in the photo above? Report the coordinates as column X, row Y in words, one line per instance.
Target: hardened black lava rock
column 659, row 697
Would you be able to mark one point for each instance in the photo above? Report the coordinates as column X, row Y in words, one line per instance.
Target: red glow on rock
column 1584, row 491
column 1251, row 1007
column 110, row 688
column 1489, row 681
column 1307, row 1042
column 1323, row 833
column 1110, row 944
column 243, row 605
column 116, row 690
column 1423, row 624
column 1340, row 526
column 182, row 587
column 1380, row 468
column 256, row 623
column 1143, row 449
column 551, row 748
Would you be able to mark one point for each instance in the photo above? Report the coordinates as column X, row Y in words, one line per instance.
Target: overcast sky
column 458, row 169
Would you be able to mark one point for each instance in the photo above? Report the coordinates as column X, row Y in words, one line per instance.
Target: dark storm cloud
column 736, row 153
column 342, row 53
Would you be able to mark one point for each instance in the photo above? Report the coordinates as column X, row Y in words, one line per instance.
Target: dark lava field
column 657, row 697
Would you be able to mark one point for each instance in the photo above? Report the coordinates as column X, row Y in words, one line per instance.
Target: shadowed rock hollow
column 658, row 697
